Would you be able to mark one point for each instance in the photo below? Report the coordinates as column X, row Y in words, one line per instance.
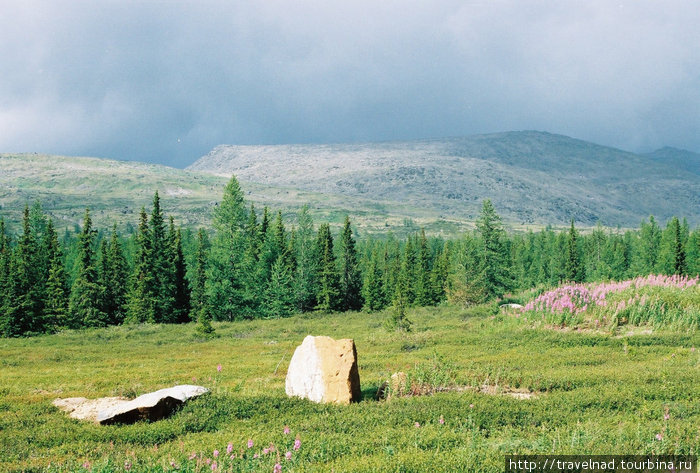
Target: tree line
column 252, row 266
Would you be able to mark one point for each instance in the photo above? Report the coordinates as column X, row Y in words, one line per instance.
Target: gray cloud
column 165, row 81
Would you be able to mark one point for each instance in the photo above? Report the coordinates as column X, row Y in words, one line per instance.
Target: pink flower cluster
column 218, row 461
column 576, row 298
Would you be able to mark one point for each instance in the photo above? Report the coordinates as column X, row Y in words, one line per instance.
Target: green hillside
column 115, row 191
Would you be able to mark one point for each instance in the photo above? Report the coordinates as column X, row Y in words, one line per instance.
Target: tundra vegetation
column 601, row 358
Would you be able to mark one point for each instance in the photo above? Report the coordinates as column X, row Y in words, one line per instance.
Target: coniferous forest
column 253, row 264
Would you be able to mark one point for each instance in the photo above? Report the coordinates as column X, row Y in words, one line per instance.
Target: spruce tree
column 198, row 300
column 4, row 268
column 22, row 312
column 494, row 272
column 181, row 308
column 56, row 315
column 424, row 295
column 408, row 272
column 328, row 291
column 400, row 302
column 162, row 265
column 306, row 274
column 279, row 296
column 142, row 295
column 226, row 278
column 350, row 276
column 650, row 243
column 373, row 285
column 439, row 276
column 85, row 299
column 115, row 279
column 672, row 253
column 574, row 268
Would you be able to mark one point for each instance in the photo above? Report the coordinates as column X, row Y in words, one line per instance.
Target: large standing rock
column 324, row 370
column 110, row 410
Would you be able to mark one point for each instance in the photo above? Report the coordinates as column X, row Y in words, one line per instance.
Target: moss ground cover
column 596, row 392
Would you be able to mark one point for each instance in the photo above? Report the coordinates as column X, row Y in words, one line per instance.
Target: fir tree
column 200, row 310
column 162, row 265
column 650, row 243
column 397, row 317
column 225, row 279
column 115, row 280
column 198, row 282
column 350, row 277
column 56, row 315
column 279, row 297
column 672, row 253
column 494, row 273
column 306, row 274
column 424, row 296
column 85, row 299
column 22, row 313
column 439, row 276
column 142, row 296
column 574, row 268
column 4, row 268
column 181, row 307
column 373, row 285
column 328, row 291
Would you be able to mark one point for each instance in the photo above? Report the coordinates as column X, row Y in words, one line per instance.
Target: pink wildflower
column 127, row 466
column 667, row 416
column 659, row 436
column 229, row 448
column 471, row 406
column 218, row 367
column 216, row 453
column 256, row 455
column 214, row 466
column 250, row 443
column 442, row 420
column 86, row 465
column 297, row 444
column 277, row 469
column 416, row 425
column 288, row 455
column 266, row 451
column 193, row 456
column 286, row 430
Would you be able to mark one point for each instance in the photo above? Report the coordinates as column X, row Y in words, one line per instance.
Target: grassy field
column 590, row 392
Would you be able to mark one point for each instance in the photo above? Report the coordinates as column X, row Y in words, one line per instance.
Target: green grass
column 595, row 393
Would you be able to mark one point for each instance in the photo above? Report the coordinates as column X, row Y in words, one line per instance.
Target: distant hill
column 532, row 177
column 679, row 158
column 115, row 191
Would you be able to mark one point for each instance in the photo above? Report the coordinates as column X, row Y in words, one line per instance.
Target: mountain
column 115, row 191
column 679, row 158
column 531, row 177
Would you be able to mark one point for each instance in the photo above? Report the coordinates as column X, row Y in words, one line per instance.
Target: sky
column 166, row 81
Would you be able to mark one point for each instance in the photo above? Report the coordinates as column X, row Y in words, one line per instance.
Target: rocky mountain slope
column 532, row 177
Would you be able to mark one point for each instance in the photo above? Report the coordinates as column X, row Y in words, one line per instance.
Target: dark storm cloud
column 165, row 81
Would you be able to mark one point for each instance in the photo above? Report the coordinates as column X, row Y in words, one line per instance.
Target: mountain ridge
column 532, row 176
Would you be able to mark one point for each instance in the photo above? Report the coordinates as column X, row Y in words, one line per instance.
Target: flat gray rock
column 151, row 406
column 111, row 410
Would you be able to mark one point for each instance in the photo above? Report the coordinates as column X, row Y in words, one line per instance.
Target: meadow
column 505, row 383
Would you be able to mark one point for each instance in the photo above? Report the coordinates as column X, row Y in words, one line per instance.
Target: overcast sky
column 165, row 81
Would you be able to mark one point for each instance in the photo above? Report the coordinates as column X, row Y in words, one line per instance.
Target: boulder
column 324, row 370
column 110, row 410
